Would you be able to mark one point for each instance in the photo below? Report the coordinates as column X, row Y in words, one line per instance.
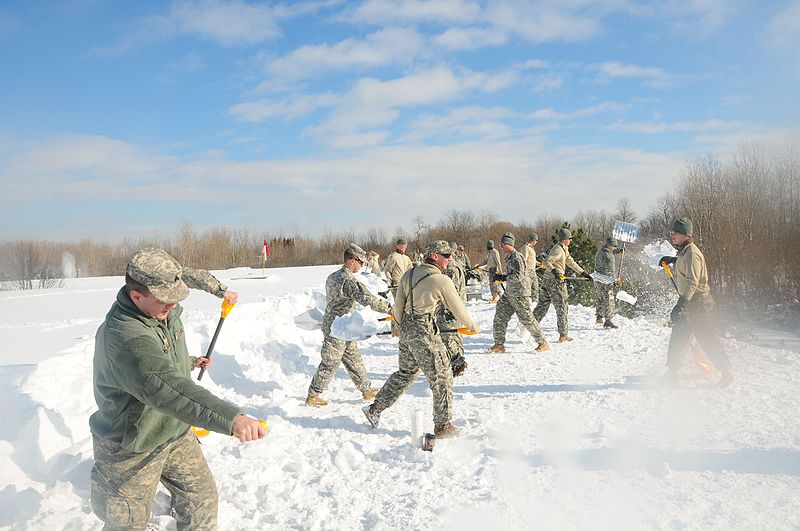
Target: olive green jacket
column 142, row 385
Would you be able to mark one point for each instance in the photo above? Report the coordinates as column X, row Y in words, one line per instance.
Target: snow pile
column 357, row 325
column 576, row 438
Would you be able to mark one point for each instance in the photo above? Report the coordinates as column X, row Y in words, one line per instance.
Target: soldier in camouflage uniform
column 446, row 321
column 554, row 289
column 373, row 262
column 515, row 299
column 397, row 264
column 693, row 313
column 604, row 264
column 493, row 265
column 147, row 401
column 421, row 291
column 462, row 256
column 529, row 255
column 343, row 291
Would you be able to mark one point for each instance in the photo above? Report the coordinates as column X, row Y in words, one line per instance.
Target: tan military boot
column 497, row 349
column 564, row 338
column 543, row 347
column 600, row 320
column 315, row 401
column 369, row 394
column 446, row 431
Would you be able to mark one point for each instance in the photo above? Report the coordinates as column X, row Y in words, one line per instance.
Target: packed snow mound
column 357, row 325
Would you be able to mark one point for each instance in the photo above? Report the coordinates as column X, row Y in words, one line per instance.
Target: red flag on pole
column 266, row 250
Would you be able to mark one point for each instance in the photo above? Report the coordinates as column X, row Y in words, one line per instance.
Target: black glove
column 558, row 276
column 586, row 275
column 679, row 311
column 621, row 250
column 498, row 276
column 668, row 260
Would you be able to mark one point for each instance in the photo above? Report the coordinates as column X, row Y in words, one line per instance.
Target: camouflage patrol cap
column 160, row 273
column 356, row 252
column 533, row 237
column 400, row 241
column 490, row 244
column 438, row 247
column 564, row 234
column 508, row 238
column 454, row 245
column 611, row 241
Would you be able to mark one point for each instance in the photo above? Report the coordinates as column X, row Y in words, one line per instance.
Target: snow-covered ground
column 575, row 438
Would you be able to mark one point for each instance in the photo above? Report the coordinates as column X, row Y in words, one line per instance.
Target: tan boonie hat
column 439, row 247
column 356, row 252
column 160, row 273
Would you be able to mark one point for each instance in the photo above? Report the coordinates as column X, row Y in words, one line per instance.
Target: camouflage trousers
column 604, row 305
column 534, row 286
column 495, row 288
column 698, row 321
column 421, row 348
column 556, row 293
column 506, row 308
column 334, row 352
column 124, row 484
column 453, row 343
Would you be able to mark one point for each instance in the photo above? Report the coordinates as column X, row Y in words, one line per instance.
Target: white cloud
column 375, row 103
column 470, row 38
column 392, row 45
column 652, row 128
column 698, row 18
column 391, row 11
column 234, row 23
column 652, row 77
column 550, row 114
column 464, row 122
column 542, row 21
column 783, row 31
column 291, row 107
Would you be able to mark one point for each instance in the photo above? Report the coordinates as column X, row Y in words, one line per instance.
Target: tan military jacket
column 559, row 259
column 396, row 265
column 529, row 255
column 493, row 261
column 432, row 291
column 691, row 275
column 374, row 264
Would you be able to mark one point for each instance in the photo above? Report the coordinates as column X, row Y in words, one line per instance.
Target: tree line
column 746, row 213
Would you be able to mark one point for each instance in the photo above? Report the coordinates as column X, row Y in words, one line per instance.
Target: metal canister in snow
column 428, row 442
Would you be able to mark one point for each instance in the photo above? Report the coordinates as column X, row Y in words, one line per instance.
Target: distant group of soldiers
column 429, row 312
column 147, row 400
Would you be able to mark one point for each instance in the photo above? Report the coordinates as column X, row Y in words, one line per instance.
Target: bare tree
column 625, row 211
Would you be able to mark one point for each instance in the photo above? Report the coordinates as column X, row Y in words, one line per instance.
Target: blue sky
column 125, row 119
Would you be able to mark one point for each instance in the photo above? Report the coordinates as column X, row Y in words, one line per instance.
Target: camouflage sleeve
column 202, row 279
column 356, row 291
column 152, row 379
